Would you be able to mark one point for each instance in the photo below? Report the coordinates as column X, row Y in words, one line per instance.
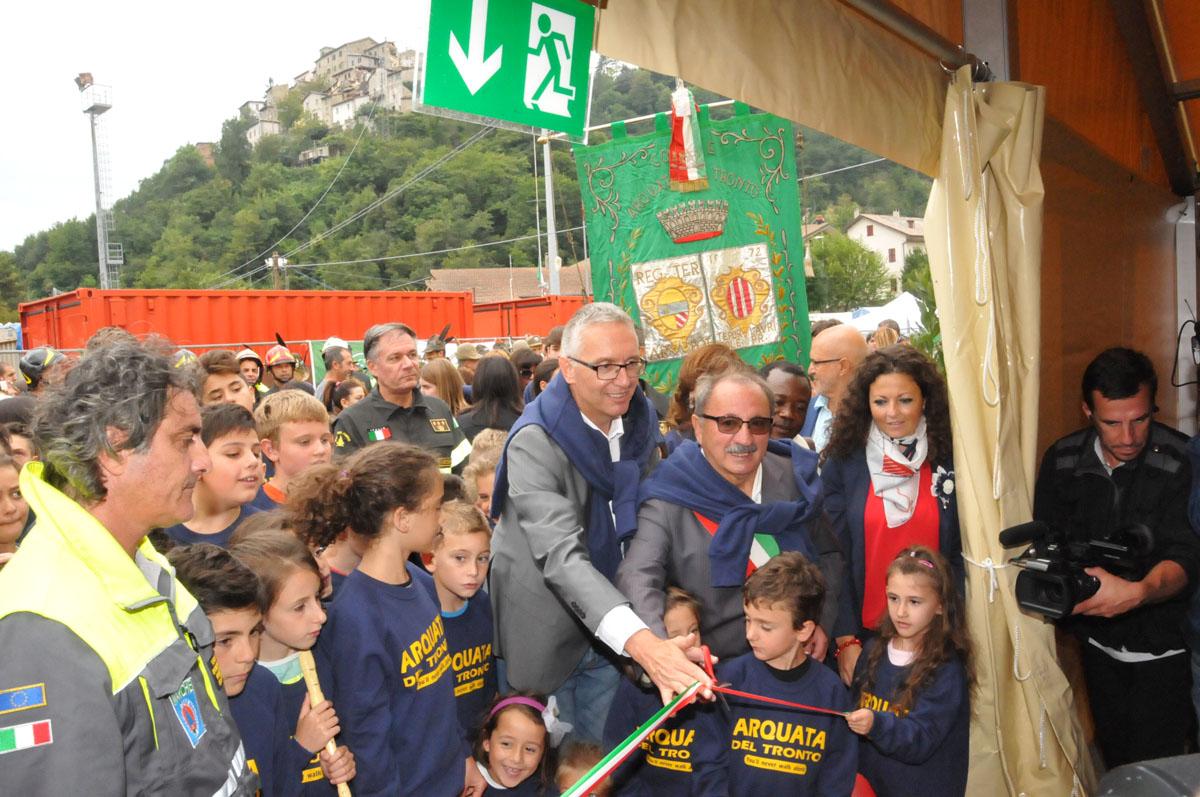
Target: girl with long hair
column 914, row 684
column 385, row 641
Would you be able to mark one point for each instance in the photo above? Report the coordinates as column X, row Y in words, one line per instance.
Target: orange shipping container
column 207, row 318
column 519, row 317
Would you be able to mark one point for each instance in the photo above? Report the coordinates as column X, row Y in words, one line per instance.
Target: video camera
column 1052, row 580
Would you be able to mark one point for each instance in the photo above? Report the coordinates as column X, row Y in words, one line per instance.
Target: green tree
column 234, row 152
column 842, row 214
column 917, row 279
column 12, row 287
column 848, row 275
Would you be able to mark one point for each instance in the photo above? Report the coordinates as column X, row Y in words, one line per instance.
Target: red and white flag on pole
column 686, row 154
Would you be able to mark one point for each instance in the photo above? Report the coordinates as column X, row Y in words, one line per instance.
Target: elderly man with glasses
column 722, row 506
column 566, row 495
column 836, row 352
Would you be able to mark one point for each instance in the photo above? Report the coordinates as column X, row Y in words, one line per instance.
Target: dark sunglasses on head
column 732, row 424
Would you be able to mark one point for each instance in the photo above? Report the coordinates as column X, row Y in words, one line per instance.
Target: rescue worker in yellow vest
column 107, row 681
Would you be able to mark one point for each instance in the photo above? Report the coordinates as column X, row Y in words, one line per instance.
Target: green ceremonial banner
column 725, row 263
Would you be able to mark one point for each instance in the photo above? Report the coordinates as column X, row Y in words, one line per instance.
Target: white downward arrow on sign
column 474, row 68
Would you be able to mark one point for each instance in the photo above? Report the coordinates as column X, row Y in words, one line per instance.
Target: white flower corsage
column 943, row 485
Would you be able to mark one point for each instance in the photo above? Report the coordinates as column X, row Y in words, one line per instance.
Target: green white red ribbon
column 614, row 759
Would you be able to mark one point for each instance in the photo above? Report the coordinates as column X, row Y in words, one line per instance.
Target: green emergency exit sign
column 519, row 61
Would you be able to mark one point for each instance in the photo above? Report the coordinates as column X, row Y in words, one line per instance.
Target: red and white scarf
column 895, row 478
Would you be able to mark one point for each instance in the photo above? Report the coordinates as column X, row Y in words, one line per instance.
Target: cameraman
column 1135, row 658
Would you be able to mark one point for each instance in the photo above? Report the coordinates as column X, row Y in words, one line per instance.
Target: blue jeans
column 587, row 694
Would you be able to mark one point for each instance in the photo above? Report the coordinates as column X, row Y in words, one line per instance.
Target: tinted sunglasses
column 732, row 424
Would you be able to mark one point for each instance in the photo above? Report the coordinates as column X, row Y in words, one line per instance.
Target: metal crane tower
column 111, row 255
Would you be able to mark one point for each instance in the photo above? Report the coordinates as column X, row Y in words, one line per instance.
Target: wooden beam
column 1142, row 48
column 1185, row 90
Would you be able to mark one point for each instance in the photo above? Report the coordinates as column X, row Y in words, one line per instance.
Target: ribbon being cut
column 618, row 755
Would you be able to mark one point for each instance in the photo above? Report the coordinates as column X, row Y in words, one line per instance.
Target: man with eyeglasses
column 835, row 354
column 720, row 507
column 566, row 495
column 396, row 409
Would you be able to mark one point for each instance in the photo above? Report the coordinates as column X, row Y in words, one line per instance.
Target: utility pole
column 110, row 256
column 551, row 231
column 276, row 275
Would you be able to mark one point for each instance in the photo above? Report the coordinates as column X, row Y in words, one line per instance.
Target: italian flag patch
column 382, row 433
column 22, row 737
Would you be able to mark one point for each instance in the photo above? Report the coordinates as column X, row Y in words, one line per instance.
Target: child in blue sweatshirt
column 755, row 748
column 663, row 766
column 914, row 684
column 290, row 586
column 459, row 565
column 229, row 593
column 385, row 642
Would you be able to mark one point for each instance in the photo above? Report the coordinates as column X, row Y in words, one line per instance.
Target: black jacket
column 1153, row 490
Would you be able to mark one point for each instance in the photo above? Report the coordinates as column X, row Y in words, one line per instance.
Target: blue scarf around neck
column 686, row 478
column 557, row 413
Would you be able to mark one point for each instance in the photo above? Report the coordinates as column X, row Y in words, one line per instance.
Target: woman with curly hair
column 889, row 478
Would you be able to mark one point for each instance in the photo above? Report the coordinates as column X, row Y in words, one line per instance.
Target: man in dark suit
column 836, row 352
column 566, row 493
column 725, row 504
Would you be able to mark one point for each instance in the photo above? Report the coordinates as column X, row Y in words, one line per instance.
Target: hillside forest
column 399, row 195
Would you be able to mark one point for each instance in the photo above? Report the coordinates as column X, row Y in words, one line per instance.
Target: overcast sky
column 177, row 71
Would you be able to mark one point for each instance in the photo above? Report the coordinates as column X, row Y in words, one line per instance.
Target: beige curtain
column 983, row 230
column 815, row 62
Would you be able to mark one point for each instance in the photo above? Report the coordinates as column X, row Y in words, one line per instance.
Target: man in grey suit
column 724, row 504
column 566, row 494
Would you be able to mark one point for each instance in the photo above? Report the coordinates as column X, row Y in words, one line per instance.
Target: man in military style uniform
column 396, row 408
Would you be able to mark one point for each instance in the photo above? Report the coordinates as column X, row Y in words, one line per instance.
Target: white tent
column 904, row 310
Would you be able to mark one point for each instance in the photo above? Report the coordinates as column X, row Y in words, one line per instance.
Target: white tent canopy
column 905, row 310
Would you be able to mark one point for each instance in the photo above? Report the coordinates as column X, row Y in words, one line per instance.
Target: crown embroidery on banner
column 695, row 220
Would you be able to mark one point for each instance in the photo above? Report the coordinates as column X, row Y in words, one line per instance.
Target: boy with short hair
column 459, row 566
column 663, row 765
column 223, row 495
column 480, row 476
column 223, row 380
column 230, row 595
column 20, row 443
column 757, row 748
column 293, row 429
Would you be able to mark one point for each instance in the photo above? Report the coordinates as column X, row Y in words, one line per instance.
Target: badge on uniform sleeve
column 187, row 711
column 22, row 737
column 380, row 434
column 439, row 424
column 20, row 698
column 341, row 439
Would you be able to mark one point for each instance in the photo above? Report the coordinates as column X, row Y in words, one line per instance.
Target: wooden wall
column 1108, row 257
column 1108, row 273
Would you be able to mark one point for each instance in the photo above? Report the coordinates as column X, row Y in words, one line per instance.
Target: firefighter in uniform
column 251, row 367
column 107, row 681
column 281, row 365
column 396, row 408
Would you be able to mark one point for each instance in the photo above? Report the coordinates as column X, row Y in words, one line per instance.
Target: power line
column 393, row 193
column 424, row 254
column 320, row 199
column 843, row 169
column 426, row 171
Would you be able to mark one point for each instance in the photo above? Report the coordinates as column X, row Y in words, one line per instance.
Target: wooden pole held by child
column 316, row 696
